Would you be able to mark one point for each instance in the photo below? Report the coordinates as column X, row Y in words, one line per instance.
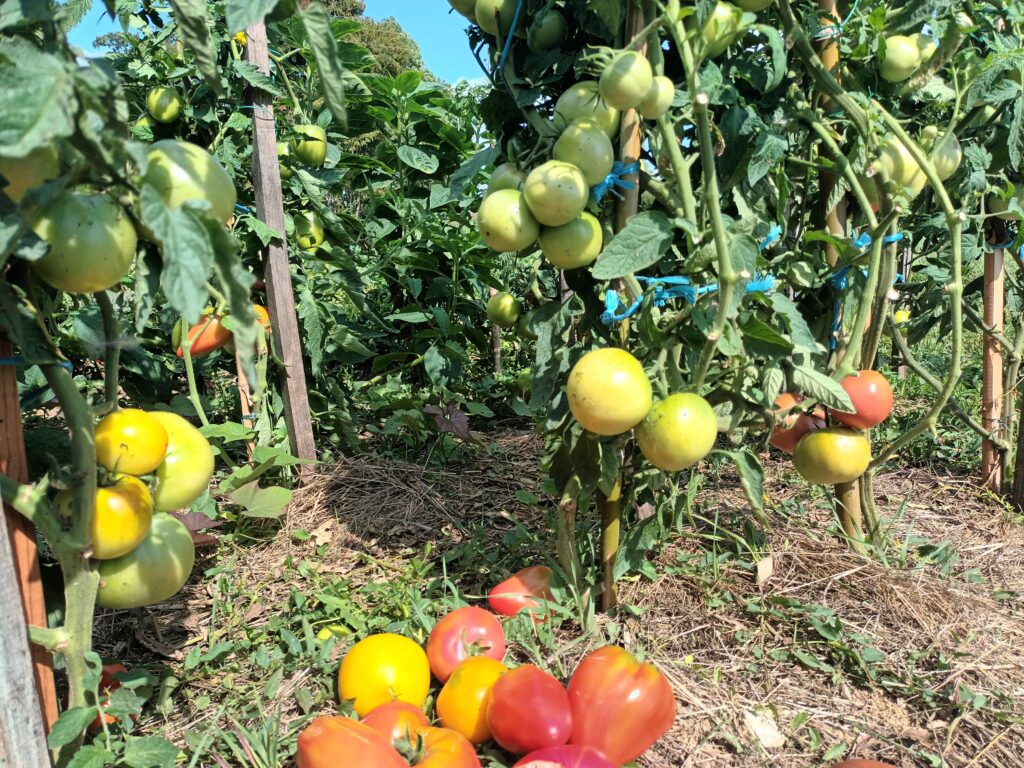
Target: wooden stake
column 245, row 402
column 992, row 371
column 280, row 298
column 22, row 542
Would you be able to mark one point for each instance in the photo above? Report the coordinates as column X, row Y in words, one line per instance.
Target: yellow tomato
column 130, row 441
column 382, row 668
column 832, row 455
column 678, row 432
column 121, row 519
column 609, row 392
column 463, row 702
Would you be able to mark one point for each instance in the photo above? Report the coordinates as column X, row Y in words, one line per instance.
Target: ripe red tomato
column 397, row 720
column 326, row 740
column 529, row 588
column 794, row 425
column 108, row 684
column 566, row 756
column 619, row 705
column 872, row 400
column 463, row 633
column 529, row 711
column 205, row 337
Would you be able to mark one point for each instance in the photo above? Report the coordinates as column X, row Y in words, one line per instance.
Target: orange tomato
column 463, row 702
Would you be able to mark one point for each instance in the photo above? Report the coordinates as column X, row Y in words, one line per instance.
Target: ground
column 813, row 654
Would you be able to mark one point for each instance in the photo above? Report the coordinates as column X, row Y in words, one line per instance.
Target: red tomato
column 871, row 396
column 108, row 684
column 463, row 633
column 263, row 315
column 397, row 720
column 793, row 425
column 529, row 711
column 566, row 756
column 619, row 705
column 328, row 742
column 209, row 335
column 529, row 588
column 443, row 748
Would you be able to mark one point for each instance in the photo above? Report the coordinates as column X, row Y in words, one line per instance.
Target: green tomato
column 658, row 100
column 506, row 176
column 678, row 432
column 309, row 231
column 28, row 172
column 583, row 100
column 556, row 192
column 722, row 28
column 524, row 380
column 503, row 309
column 523, row 326
column 92, row 243
column 546, row 33
column 154, row 571
column 182, row 172
column 626, row 80
column 585, row 145
column 184, row 474
column 284, row 150
column 1001, row 207
column 901, row 167
column 505, row 221
column 946, row 155
column 902, row 58
column 164, row 103
column 492, row 14
column 753, row 5
column 926, row 47
column 573, row 245
column 310, row 144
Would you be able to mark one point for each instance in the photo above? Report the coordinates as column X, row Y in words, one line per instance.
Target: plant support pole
column 992, row 370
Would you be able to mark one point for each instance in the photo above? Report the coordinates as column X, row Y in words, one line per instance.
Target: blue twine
column 773, row 235
column 613, row 180
column 242, row 209
column 511, row 34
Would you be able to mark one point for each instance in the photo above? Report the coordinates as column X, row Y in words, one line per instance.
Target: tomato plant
column 464, row 633
column 382, row 668
column 529, row 710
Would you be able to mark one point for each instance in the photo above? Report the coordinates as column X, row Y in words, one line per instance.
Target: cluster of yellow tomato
column 144, row 555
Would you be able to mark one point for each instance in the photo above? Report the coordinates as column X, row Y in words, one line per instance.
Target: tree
column 393, row 50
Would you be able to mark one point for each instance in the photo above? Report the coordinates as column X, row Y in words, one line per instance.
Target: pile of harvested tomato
column 613, row 709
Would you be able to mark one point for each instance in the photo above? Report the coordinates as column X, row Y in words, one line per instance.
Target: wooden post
column 280, row 298
column 22, row 542
column 992, row 371
column 244, row 402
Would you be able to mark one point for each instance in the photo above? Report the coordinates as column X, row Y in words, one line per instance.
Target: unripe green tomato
column 658, row 100
column 492, row 14
column 284, row 150
column 583, row 100
column 678, row 432
column 926, row 46
column 182, row 172
column 164, row 104
column 626, row 80
column 901, row 167
column 902, row 59
column 1001, row 207
column 524, row 380
column 722, row 28
column 753, row 5
column 505, row 221
column 832, row 455
column 309, row 231
column 547, row 33
column 585, row 145
column 503, row 309
column 506, row 176
column 556, row 192
column 466, row 7
column 30, row 171
column 573, row 245
column 946, row 155
column 310, row 145
column 523, row 326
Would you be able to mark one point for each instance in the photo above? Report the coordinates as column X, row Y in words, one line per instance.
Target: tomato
column 626, row 79
column 902, row 58
column 872, row 400
column 678, row 431
column 926, row 46
column 164, row 103
column 466, row 7
column 901, row 316
column 182, row 172
column 444, row 748
column 832, row 455
column 566, row 756
column 556, row 192
column 901, row 166
column 262, row 316
column 503, row 309
column 397, row 720
column 92, row 243
column 329, row 742
column 585, row 145
column 309, row 231
column 547, row 32
column 753, row 5
column 284, row 150
column 122, row 514
column 465, row 698
column 523, row 326
column 1001, row 207
column 207, row 336
column 794, row 425
column 505, row 221
column 524, row 380
column 490, row 14
column 30, row 171
column 659, row 98
column 463, row 633
column 722, row 28
column 619, row 705
column 945, row 152
column 573, row 245
column 152, row 572
column 184, row 474
column 130, row 441
column 609, row 392
column 506, row 176
column 310, row 144
column 108, row 684
column 382, row 668
column 529, row 588
column 583, row 100
column 529, row 710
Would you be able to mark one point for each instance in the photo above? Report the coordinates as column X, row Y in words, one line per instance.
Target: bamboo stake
column 992, row 370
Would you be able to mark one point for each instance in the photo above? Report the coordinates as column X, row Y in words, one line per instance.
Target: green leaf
column 252, row 75
column 408, row 82
column 470, row 169
column 641, row 243
column 762, row 337
column 1016, row 144
column 799, row 332
column 70, row 725
column 21, row 322
column 236, row 284
column 242, row 13
column 778, row 50
column 308, row 310
column 325, row 52
column 610, row 13
column 16, row 11
column 416, row 158
column 771, row 148
column 410, row 317
column 149, row 752
column 147, row 284
column 90, row 756
column 195, row 31
column 262, row 502
column 824, row 389
column 751, row 477
column 37, row 98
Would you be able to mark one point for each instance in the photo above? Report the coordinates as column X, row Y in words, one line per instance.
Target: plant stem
column 680, row 168
column 279, row 62
column 848, row 500
column 112, row 349
column 611, row 525
column 190, row 374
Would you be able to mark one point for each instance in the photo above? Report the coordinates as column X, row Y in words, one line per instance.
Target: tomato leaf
column 241, row 13
column 190, row 16
column 25, row 10
column 70, row 725
column 609, row 12
column 37, row 98
column 325, row 52
column 1016, row 144
column 149, row 752
column 416, row 158
column 21, row 322
column 90, row 756
column 641, row 243
column 262, row 502
column 799, row 332
column 751, row 477
column 252, row 75
column 236, row 283
column 824, row 389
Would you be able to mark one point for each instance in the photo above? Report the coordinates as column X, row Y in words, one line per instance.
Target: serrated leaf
column 241, row 13
column 21, row 322
column 236, row 283
column 609, row 11
column 191, row 17
column 90, row 756
column 37, row 98
column 312, row 327
column 826, row 390
column 470, row 168
column 799, row 332
column 317, row 24
column 771, row 148
column 147, row 284
column 149, row 752
column 1016, row 143
column 70, row 725
column 416, row 158
column 763, row 336
column 17, row 11
column 751, row 477
column 641, row 243
column 262, row 502
column 252, row 75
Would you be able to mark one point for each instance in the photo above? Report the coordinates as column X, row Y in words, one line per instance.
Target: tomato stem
column 611, row 524
column 111, row 349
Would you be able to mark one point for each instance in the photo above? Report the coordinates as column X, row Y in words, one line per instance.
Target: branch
column 112, row 348
column 31, row 503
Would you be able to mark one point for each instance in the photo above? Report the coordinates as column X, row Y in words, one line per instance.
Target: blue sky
column 439, row 34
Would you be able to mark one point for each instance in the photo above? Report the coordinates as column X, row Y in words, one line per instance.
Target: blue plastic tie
column 242, row 209
column 773, row 235
column 511, row 33
column 613, row 180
